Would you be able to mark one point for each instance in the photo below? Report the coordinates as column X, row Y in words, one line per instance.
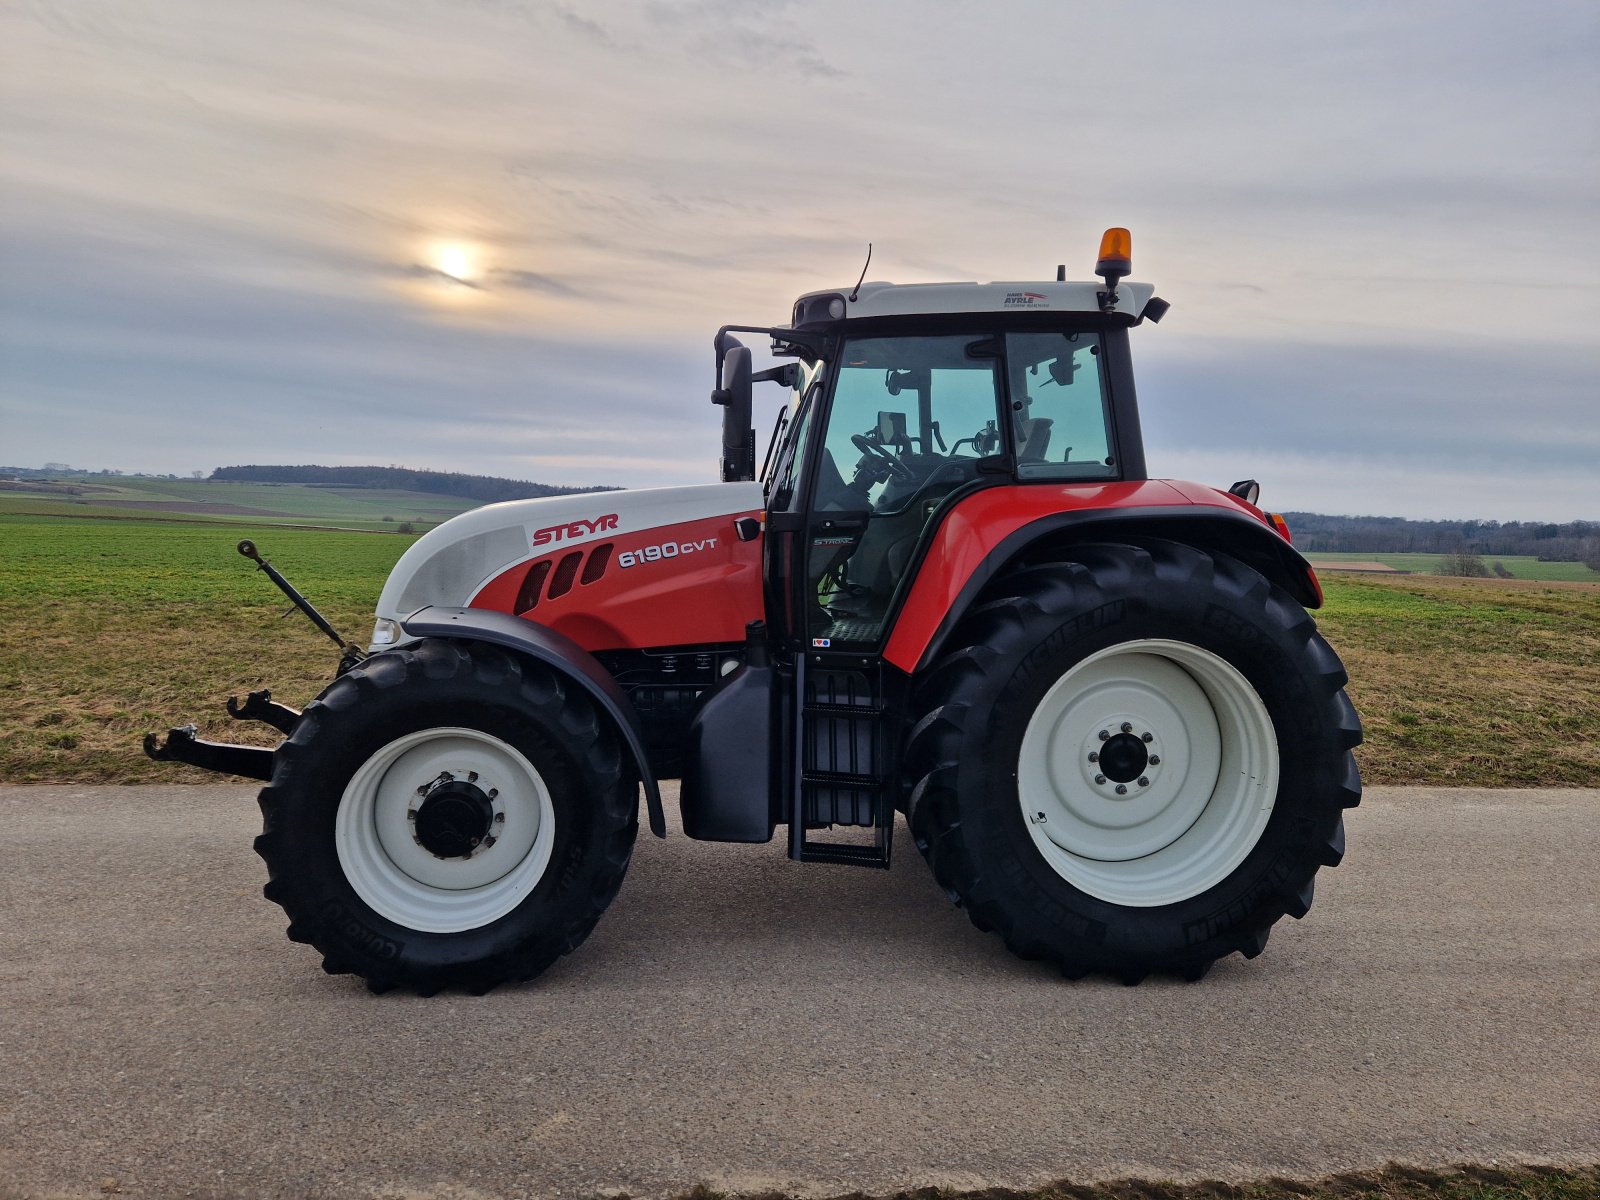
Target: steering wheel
column 896, row 468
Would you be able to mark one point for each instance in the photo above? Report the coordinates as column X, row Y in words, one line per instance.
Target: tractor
column 951, row 591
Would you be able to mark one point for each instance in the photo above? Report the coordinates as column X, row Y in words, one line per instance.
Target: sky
column 498, row 236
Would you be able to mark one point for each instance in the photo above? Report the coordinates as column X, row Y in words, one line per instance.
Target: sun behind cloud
column 458, row 260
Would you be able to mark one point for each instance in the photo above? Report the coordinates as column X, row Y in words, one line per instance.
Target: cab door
column 908, row 421
column 901, row 423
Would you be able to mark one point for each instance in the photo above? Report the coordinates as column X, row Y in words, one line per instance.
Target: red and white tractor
column 952, row 591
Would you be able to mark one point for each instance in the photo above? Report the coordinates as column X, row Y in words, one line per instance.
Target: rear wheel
column 1134, row 760
column 447, row 815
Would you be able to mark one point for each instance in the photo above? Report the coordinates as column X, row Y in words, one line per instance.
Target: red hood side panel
column 674, row 585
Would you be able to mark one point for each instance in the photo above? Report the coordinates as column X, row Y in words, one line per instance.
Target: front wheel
column 447, row 815
column 1135, row 760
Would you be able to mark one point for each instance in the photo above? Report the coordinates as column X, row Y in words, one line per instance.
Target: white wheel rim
column 1194, row 811
column 398, row 877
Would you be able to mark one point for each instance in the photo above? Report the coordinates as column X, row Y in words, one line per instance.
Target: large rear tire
column 447, row 815
column 1134, row 760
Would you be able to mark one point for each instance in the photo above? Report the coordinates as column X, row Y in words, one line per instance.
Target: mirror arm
column 788, row 374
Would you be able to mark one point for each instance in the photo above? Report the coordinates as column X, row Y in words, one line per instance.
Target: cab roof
column 911, row 299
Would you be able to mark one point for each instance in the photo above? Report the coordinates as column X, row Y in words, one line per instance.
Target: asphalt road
column 753, row 1023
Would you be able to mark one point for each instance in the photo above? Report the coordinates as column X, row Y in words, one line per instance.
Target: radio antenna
column 855, row 293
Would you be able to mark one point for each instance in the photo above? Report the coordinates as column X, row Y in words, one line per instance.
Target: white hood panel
column 447, row 566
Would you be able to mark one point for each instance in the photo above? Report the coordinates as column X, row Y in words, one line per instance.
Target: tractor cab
column 1016, row 405
column 908, row 398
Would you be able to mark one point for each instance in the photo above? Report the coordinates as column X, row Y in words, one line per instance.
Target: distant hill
column 1569, row 542
column 485, row 489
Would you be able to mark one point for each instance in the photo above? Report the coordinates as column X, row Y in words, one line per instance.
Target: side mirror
column 1247, row 490
column 738, row 435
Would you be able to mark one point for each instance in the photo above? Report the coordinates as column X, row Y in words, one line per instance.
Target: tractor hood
column 455, row 564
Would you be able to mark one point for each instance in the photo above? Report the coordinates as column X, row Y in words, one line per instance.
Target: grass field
column 118, row 627
column 120, row 498
column 1476, row 682
column 1522, row 566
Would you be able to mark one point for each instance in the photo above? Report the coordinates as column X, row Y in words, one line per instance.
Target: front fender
column 559, row 652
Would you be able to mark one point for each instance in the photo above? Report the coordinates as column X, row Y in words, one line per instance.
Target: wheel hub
column 455, row 818
column 1123, row 758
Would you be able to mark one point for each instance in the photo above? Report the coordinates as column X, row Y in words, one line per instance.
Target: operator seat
column 1033, row 434
column 832, row 491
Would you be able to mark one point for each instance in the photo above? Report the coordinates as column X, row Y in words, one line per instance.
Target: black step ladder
column 843, row 775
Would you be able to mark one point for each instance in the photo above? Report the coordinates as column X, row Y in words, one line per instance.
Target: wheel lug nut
column 1144, row 781
column 1099, row 778
column 1122, row 789
column 1126, row 727
column 1155, row 760
column 493, row 792
column 1105, row 735
column 411, row 814
column 1094, row 756
column 1147, row 737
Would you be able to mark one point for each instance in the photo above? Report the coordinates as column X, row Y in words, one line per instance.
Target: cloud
column 532, row 281
column 434, row 274
column 592, row 30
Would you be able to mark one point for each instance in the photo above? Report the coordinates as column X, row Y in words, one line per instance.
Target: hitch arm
column 182, row 746
column 350, row 649
column 260, row 706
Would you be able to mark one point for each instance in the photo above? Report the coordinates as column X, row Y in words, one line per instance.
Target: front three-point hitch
column 253, row 762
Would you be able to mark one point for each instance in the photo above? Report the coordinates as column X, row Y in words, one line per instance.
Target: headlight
column 385, row 632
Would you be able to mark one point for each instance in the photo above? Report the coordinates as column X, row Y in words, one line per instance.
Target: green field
column 121, row 498
column 1480, row 682
column 1521, row 566
column 118, row 627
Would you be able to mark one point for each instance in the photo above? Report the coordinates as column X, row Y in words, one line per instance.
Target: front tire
column 1134, row 760
column 447, row 815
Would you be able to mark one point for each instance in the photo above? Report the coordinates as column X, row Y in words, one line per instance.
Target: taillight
column 1281, row 526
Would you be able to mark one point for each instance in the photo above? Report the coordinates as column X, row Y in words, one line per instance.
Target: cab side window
column 1059, row 408
column 785, row 495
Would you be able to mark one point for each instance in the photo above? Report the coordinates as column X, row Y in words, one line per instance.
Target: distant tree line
column 486, row 489
column 1574, row 541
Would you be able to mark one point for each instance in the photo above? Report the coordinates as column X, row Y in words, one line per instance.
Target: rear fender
column 560, row 653
column 934, row 615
